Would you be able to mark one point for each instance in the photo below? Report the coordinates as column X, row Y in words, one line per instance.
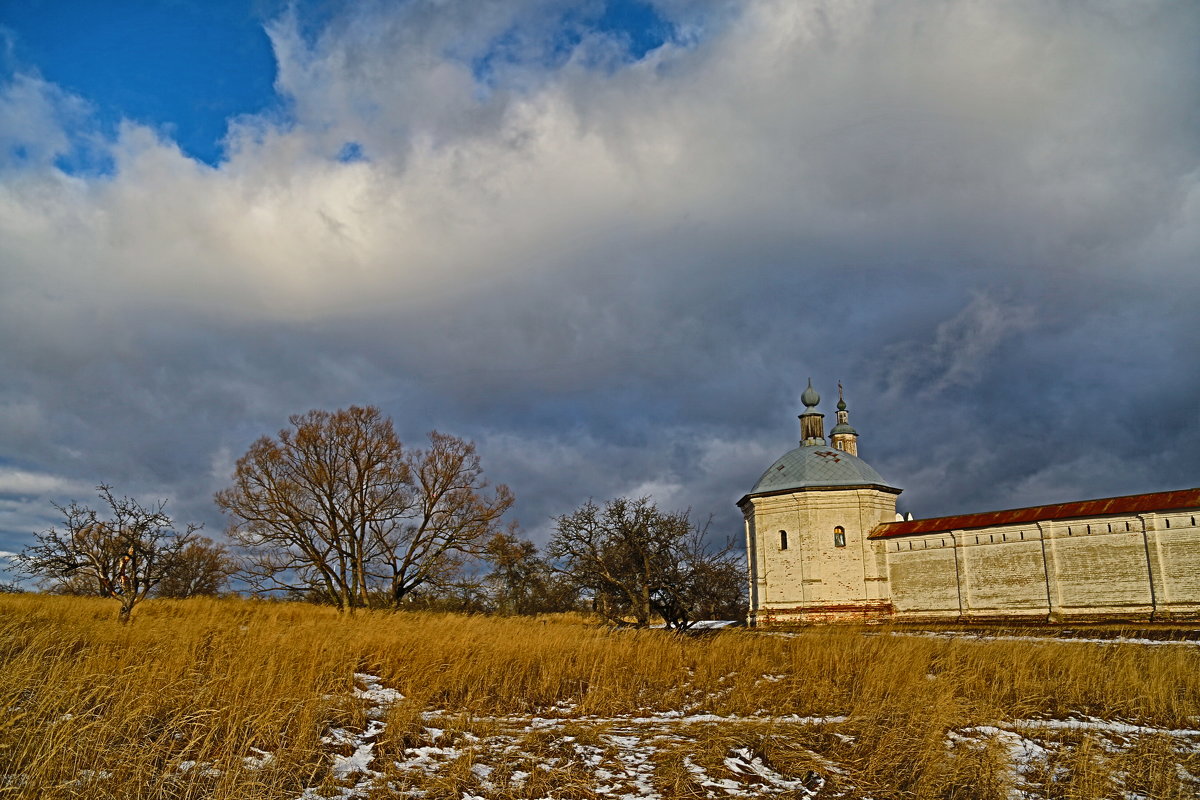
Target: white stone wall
column 1175, row 561
column 1124, row 566
column 924, row 579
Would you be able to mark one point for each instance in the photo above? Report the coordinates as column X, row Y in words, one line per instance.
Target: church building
column 824, row 544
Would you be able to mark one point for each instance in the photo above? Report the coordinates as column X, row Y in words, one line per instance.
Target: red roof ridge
column 1126, row 504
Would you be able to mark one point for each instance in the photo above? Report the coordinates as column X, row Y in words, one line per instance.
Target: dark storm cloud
column 984, row 220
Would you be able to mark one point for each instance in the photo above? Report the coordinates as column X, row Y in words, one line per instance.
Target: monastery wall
column 1003, row 574
column 923, row 576
column 1113, row 567
column 824, row 544
column 1175, row 558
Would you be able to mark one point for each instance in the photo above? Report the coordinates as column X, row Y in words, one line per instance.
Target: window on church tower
column 783, row 540
column 839, row 536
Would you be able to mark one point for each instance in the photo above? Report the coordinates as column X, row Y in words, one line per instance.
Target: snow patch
column 358, row 762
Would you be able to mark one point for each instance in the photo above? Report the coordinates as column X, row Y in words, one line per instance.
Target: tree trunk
column 643, row 611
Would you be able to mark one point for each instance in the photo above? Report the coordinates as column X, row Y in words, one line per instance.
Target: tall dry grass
column 90, row 708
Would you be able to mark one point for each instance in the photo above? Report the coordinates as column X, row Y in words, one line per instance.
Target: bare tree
column 201, row 568
column 701, row 582
column 521, row 582
column 637, row 561
column 613, row 554
column 307, row 505
column 451, row 517
column 124, row 556
column 336, row 507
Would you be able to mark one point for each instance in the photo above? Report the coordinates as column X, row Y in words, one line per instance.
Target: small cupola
column 843, row 437
column 812, row 422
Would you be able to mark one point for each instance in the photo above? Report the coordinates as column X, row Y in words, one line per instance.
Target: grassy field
column 242, row 699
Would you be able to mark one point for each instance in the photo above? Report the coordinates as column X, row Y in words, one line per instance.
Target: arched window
column 783, row 540
column 839, row 536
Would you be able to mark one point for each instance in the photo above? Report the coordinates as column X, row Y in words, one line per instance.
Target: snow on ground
column 664, row 754
column 558, row 752
column 1030, row 746
column 356, row 767
column 706, row 624
column 613, row 757
column 1025, row 756
column 1102, row 725
column 376, row 694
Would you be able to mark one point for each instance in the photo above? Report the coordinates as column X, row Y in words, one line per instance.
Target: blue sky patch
column 637, row 23
column 634, row 24
column 183, row 68
column 351, row 152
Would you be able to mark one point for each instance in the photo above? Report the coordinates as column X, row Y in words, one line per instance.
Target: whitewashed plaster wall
column 1125, row 566
column 812, row 574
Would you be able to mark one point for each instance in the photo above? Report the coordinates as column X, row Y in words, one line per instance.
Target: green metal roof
column 817, row 466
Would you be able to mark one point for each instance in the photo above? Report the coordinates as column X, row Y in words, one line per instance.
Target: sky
column 609, row 242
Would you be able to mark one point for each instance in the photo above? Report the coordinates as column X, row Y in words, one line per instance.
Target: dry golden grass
column 172, row 705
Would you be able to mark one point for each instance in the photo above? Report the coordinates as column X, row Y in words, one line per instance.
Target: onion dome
column 810, row 398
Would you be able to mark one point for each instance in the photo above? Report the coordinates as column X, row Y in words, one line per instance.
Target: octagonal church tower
column 807, row 521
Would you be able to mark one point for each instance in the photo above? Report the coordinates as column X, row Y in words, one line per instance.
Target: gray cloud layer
column 616, row 275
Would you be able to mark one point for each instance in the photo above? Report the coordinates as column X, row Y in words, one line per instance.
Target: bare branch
column 124, row 556
column 337, row 506
column 637, row 561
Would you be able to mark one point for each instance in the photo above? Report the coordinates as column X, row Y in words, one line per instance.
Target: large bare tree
column 124, row 556
column 336, row 506
column 451, row 517
column 307, row 504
